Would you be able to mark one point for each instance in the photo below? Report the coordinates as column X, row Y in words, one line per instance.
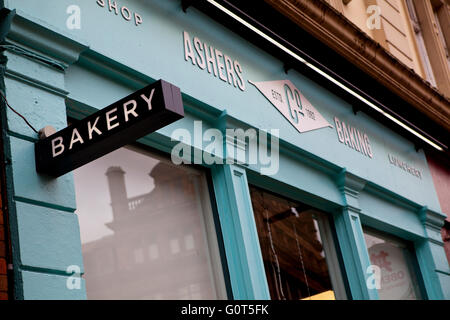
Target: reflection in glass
column 291, row 246
column 393, row 257
column 146, row 229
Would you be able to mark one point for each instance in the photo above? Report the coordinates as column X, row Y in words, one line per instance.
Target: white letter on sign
column 92, row 128
column 110, row 119
column 77, row 139
column 58, row 145
column 149, row 99
column 127, row 112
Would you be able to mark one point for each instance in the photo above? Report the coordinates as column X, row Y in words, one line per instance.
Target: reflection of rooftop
column 140, row 248
column 114, row 169
column 173, row 188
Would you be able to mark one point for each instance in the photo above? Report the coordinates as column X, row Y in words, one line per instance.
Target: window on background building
column 397, row 264
column 135, row 209
column 174, row 246
column 153, row 251
column 420, row 42
column 440, row 31
column 300, row 260
column 139, row 255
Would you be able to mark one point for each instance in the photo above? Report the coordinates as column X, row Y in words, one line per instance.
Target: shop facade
column 331, row 195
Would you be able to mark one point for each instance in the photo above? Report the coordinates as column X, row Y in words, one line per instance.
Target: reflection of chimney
column 118, row 191
column 163, row 173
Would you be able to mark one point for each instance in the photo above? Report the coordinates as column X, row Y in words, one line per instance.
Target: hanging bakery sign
column 292, row 104
column 138, row 114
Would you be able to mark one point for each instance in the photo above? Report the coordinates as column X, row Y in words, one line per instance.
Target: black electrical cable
column 26, row 121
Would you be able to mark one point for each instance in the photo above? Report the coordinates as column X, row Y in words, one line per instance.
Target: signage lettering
column 126, row 13
column 208, row 57
column 123, row 122
column 292, row 104
column 353, row 138
column 403, row 165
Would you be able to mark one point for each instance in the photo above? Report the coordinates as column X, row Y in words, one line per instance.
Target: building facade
column 312, row 166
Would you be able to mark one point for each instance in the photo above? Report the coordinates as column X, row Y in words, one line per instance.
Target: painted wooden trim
column 355, row 256
column 243, row 253
column 39, row 261
column 23, row 29
column 427, row 268
column 351, row 237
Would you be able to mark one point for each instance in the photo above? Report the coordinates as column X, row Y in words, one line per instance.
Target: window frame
column 325, row 221
column 211, row 228
column 413, row 20
column 411, row 256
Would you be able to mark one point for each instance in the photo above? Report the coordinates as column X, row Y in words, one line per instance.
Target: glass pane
column 146, row 229
column 392, row 256
column 294, row 258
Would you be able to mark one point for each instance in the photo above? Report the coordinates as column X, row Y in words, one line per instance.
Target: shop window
column 133, row 217
column 395, row 259
column 153, row 251
column 174, row 246
column 191, row 292
column 189, row 242
column 139, row 255
column 299, row 257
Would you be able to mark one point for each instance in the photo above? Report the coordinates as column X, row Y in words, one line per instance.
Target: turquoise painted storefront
column 51, row 73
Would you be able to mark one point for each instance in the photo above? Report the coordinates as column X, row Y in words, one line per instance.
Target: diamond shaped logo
column 292, row 104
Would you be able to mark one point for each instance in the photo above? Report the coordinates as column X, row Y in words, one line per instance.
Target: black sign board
column 145, row 111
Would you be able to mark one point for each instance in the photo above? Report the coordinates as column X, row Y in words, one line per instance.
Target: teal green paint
column 440, row 260
column 427, row 267
column 351, row 237
column 356, row 259
column 362, row 254
column 309, row 163
column 40, row 108
column 49, row 239
column 28, row 184
column 431, row 255
column 444, row 280
column 384, row 214
column 241, row 242
column 45, row 235
column 162, row 37
column 43, row 286
column 38, row 74
column 226, row 205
